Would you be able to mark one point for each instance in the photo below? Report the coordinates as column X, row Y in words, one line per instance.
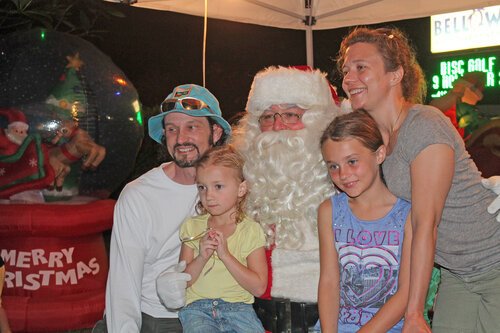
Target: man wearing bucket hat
column 150, row 210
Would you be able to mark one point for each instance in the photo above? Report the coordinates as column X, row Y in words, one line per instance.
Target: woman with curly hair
column 428, row 165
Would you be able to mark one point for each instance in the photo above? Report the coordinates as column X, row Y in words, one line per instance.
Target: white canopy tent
column 312, row 15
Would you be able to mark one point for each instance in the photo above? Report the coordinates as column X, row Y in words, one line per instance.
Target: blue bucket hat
column 155, row 123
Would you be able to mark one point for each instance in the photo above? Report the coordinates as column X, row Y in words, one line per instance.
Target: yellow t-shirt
column 219, row 283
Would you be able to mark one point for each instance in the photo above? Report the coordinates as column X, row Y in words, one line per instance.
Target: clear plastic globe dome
column 39, row 77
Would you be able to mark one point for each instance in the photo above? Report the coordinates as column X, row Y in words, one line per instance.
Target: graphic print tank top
column 369, row 257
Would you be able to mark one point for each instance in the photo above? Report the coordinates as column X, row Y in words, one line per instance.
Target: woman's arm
column 329, row 279
column 431, row 177
column 392, row 311
column 254, row 277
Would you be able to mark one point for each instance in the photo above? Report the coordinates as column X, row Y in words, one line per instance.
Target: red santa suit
column 24, row 161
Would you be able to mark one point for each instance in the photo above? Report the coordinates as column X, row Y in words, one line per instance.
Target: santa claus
column 24, row 164
column 287, row 111
column 15, row 133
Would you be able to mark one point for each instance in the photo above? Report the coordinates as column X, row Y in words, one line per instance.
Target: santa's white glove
column 171, row 286
column 493, row 183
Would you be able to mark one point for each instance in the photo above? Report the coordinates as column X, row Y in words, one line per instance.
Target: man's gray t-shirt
column 468, row 241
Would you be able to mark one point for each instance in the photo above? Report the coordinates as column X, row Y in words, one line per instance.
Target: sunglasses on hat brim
column 188, row 103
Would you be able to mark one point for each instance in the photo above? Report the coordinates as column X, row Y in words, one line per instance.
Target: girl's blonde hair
column 225, row 156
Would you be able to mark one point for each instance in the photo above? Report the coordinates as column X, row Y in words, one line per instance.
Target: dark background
column 158, row 50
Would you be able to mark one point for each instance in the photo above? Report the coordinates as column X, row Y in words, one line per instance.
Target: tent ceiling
column 329, row 14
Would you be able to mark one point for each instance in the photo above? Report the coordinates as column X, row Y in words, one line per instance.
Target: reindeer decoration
column 79, row 146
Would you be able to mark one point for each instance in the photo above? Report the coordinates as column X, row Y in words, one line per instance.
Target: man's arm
column 127, row 253
column 453, row 96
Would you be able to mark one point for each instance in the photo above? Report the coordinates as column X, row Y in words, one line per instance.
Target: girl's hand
column 208, row 245
column 222, row 250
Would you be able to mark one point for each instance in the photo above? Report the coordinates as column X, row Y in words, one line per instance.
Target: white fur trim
column 345, row 107
column 284, row 85
column 18, row 123
column 295, row 275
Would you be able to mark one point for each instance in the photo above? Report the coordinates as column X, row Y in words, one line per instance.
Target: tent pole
column 309, row 46
column 309, row 22
column 204, row 42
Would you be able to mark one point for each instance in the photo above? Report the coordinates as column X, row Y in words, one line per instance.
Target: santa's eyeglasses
column 188, row 103
column 288, row 117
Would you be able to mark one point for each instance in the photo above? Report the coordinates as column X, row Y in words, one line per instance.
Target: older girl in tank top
column 364, row 239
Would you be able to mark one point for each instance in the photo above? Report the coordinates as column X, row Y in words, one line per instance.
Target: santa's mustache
column 288, row 138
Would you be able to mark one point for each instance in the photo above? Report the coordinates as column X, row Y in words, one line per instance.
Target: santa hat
column 299, row 85
column 14, row 118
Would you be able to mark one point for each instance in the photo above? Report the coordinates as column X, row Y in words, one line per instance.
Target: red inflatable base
column 54, row 314
column 56, row 264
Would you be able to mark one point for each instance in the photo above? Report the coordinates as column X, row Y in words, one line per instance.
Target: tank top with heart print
column 369, row 257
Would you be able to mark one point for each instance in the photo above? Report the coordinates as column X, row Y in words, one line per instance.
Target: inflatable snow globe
column 70, row 130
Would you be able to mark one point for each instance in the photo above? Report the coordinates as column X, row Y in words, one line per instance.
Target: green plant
column 77, row 17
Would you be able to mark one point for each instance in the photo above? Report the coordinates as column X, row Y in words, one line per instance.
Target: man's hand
column 171, row 286
column 493, row 183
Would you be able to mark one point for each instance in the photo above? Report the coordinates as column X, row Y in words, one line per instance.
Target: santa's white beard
column 15, row 138
column 288, row 180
